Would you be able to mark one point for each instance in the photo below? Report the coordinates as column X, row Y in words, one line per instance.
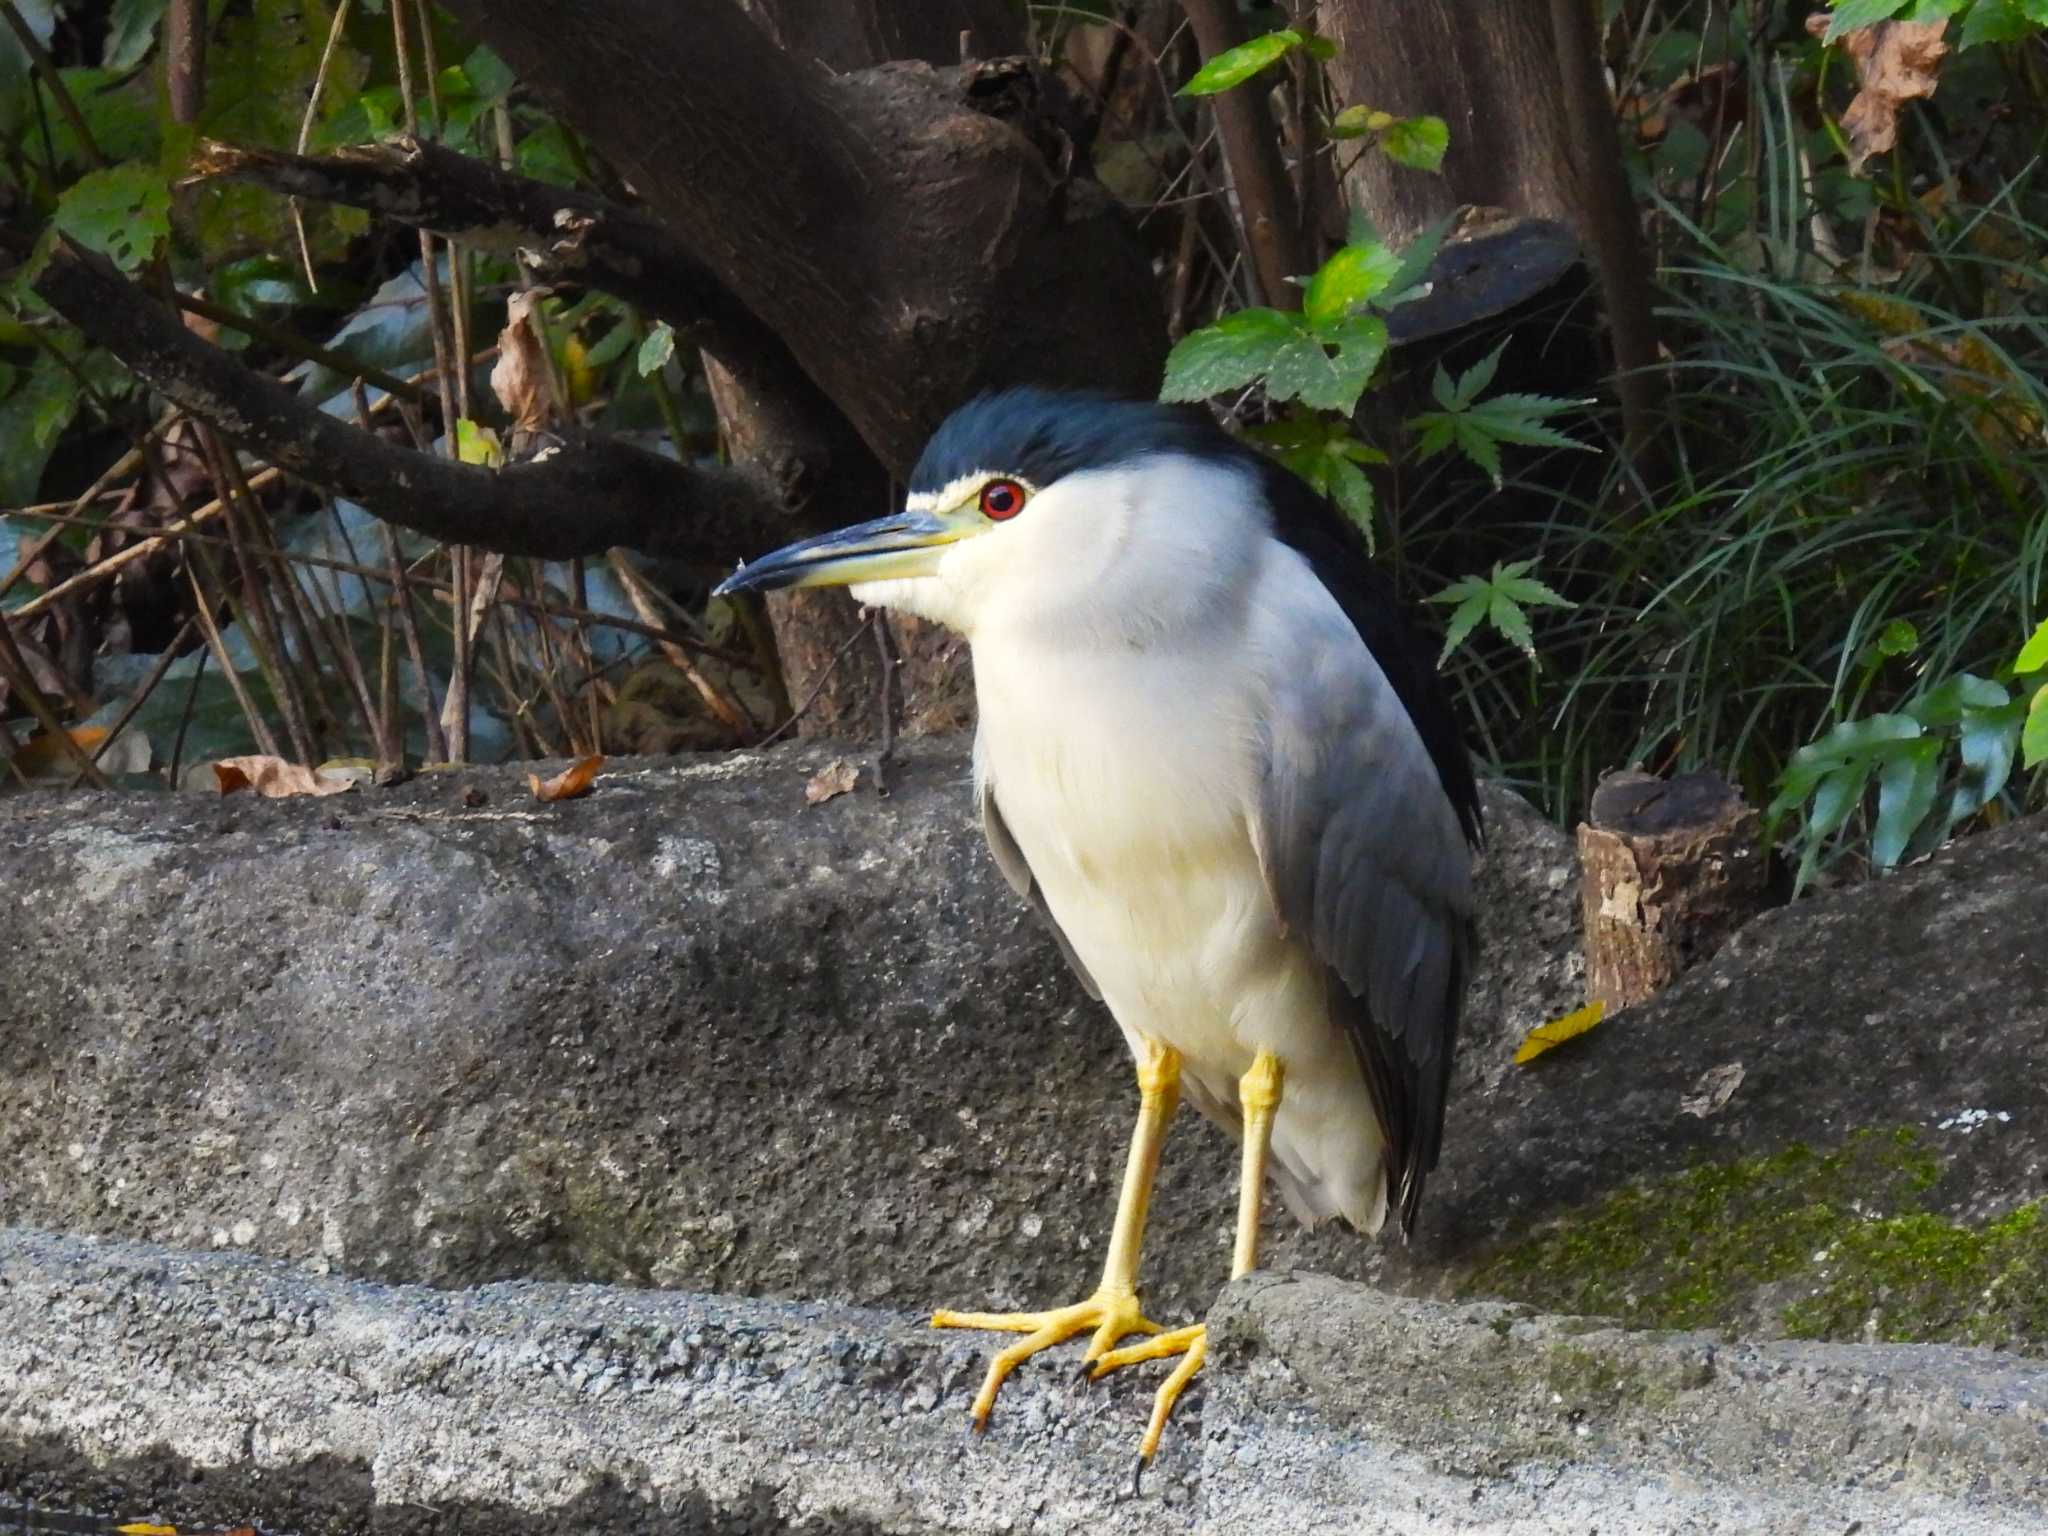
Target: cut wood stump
column 1670, row 868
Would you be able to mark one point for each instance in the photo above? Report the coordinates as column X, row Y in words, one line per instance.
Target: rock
column 215, row 1389
column 687, row 1031
column 690, row 1031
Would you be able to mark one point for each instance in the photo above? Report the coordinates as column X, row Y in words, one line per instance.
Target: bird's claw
column 1110, row 1314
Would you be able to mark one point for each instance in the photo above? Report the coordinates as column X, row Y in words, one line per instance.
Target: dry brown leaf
column 275, row 779
column 572, row 781
column 1896, row 62
column 520, row 376
column 835, row 778
column 1715, row 1088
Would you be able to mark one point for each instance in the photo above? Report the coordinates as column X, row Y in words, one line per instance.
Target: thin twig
column 295, row 202
column 859, row 632
column 141, row 695
column 53, row 81
column 729, row 712
column 15, row 666
column 886, row 702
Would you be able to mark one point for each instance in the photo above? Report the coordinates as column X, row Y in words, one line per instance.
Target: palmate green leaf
column 1507, row 616
column 1415, row 259
column 1227, row 355
column 1352, row 275
column 1464, row 619
column 1850, row 743
column 1417, row 142
column 1234, row 66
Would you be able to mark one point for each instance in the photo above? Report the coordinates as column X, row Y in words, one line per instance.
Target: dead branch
column 581, row 500
column 576, row 234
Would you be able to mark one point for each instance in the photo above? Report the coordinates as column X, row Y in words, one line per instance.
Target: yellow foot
column 1191, row 1344
column 1110, row 1314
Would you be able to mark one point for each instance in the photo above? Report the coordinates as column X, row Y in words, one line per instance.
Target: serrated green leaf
column 1479, row 446
column 656, row 350
column 1464, row 618
column 1464, row 588
column 1227, row 355
column 1505, row 425
column 2033, row 655
column 1352, row 275
column 1306, row 370
column 1416, row 257
column 1994, row 21
column 2034, row 735
column 1851, row 15
column 1526, row 589
column 1417, row 142
column 1350, row 489
column 122, row 212
column 1905, row 794
column 1474, row 379
column 1898, row 638
column 1506, row 615
column 1234, row 66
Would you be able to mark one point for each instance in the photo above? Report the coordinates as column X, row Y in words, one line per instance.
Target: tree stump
column 1670, row 869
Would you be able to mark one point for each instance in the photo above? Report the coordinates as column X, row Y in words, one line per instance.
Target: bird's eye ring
column 1001, row 500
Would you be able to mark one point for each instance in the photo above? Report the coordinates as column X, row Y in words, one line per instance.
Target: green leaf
column 1463, row 619
column 1994, row 21
column 131, row 31
column 1236, row 65
column 1357, row 122
column 1306, row 370
column 1851, row 15
column 121, row 212
column 489, row 74
column 1474, row 379
column 1989, row 741
column 1415, row 260
column 1227, row 355
column 1318, row 47
column 2034, row 735
column 32, row 418
column 1419, row 142
column 1905, row 794
column 657, row 349
column 1352, row 275
column 2034, row 654
column 1898, row 638
column 1353, row 493
column 1507, row 616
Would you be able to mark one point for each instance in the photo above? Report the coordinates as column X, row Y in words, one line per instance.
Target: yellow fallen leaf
column 1546, row 1036
column 275, row 779
column 835, row 778
column 146, row 1529
column 572, row 781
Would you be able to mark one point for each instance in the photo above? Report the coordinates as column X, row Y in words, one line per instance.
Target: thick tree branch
column 580, row 501
column 428, row 186
column 1251, row 146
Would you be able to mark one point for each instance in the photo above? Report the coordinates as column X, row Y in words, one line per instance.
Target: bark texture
column 1670, row 871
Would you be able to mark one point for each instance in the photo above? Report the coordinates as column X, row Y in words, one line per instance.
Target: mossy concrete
column 1836, row 1244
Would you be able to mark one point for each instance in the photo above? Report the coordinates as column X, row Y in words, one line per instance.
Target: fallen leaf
column 835, row 778
column 1715, row 1088
column 275, row 779
column 144, row 1528
column 1896, row 62
column 1546, row 1037
column 572, row 781
column 520, row 376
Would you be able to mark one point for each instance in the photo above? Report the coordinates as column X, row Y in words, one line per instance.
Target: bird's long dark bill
column 901, row 544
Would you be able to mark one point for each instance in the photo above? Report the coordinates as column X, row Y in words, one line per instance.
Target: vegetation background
column 383, row 385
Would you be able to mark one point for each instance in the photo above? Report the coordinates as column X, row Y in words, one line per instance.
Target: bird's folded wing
column 1365, row 859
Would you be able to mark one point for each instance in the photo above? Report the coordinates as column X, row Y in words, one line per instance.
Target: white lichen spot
column 244, row 1233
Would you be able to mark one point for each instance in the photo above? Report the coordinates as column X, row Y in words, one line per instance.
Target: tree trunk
column 913, row 234
column 1522, row 87
column 1670, row 870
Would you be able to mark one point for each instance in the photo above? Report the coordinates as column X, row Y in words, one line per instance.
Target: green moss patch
column 1824, row 1245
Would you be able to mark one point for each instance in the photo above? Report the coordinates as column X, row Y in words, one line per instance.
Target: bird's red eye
column 1001, row 500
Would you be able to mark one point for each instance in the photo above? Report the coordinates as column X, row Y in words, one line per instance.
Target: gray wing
column 1365, row 858
column 1010, row 860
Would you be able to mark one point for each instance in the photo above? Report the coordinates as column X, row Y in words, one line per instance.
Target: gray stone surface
column 220, row 1388
column 686, row 1032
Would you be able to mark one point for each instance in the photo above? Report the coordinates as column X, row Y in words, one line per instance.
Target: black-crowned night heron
column 1211, row 753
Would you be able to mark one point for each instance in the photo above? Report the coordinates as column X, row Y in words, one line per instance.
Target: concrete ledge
column 223, row 1387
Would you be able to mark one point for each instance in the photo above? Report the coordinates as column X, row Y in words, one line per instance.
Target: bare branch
column 581, row 500
column 431, row 187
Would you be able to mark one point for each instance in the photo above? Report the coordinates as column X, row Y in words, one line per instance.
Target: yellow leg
column 1258, row 1091
column 1112, row 1312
